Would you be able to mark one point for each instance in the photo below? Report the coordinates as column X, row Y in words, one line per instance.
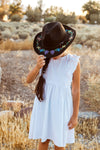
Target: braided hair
column 39, row 89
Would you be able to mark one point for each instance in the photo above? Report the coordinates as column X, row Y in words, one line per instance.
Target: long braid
column 39, row 89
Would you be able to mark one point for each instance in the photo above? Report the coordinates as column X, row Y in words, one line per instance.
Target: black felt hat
column 54, row 39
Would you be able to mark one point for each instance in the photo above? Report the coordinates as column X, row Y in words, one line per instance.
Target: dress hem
column 43, row 140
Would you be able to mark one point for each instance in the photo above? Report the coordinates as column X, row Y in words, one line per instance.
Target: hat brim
column 40, row 50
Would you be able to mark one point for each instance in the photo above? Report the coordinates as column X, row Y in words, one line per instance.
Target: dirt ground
column 15, row 68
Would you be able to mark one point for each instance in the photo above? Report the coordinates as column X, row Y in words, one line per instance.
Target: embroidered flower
column 52, row 52
column 39, row 39
column 46, row 52
column 57, row 49
column 41, row 50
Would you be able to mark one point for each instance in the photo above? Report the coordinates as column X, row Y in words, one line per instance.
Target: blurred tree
column 2, row 13
column 4, row 7
column 15, row 8
column 65, row 19
column 95, row 18
column 3, row 3
column 83, row 19
column 40, row 5
column 53, row 11
column 57, row 12
column 91, row 7
column 49, row 19
column 28, row 7
column 33, row 14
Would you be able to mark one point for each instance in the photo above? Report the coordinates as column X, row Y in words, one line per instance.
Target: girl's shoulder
column 73, row 56
column 73, row 61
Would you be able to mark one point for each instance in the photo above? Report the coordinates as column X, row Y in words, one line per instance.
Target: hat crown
column 54, row 38
column 52, row 34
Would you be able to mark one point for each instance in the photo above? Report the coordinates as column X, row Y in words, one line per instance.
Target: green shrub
column 2, row 28
column 66, row 18
column 83, row 19
column 36, row 29
column 62, row 18
column 23, row 35
column 55, row 13
column 49, row 19
column 6, row 34
column 2, row 13
column 16, row 17
column 95, row 18
column 15, row 36
column 33, row 15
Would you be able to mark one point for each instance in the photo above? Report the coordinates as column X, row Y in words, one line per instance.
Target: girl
column 56, row 104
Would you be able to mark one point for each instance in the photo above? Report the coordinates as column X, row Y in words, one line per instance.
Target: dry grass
column 14, row 134
column 90, row 74
column 92, row 95
column 86, row 35
column 10, row 45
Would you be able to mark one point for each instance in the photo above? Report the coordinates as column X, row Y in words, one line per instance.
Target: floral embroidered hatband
column 57, row 49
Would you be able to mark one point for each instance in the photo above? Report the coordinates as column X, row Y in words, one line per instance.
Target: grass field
column 13, row 130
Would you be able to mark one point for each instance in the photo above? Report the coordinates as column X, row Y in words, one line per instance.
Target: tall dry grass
column 10, row 45
column 92, row 95
column 14, row 135
column 14, row 132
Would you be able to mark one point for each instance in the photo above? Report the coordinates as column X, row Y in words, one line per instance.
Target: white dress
column 50, row 117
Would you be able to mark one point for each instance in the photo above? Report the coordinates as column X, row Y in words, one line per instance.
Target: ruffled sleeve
column 74, row 62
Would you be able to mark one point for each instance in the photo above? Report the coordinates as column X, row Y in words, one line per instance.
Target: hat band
column 63, row 44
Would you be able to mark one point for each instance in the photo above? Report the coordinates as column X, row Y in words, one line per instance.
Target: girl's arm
column 33, row 74
column 76, row 90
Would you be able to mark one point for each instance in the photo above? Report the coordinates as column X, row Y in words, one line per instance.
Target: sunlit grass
column 92, row 95
column 14, row 131
column 14, row 134
column 10, row 45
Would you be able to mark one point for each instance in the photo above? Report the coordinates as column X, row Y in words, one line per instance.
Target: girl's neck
column 64, row 54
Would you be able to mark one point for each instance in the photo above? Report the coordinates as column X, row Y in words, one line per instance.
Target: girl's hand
column 40, row 61
column 73, row 122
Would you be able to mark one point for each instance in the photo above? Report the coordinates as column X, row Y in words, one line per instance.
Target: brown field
column 18, row 58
